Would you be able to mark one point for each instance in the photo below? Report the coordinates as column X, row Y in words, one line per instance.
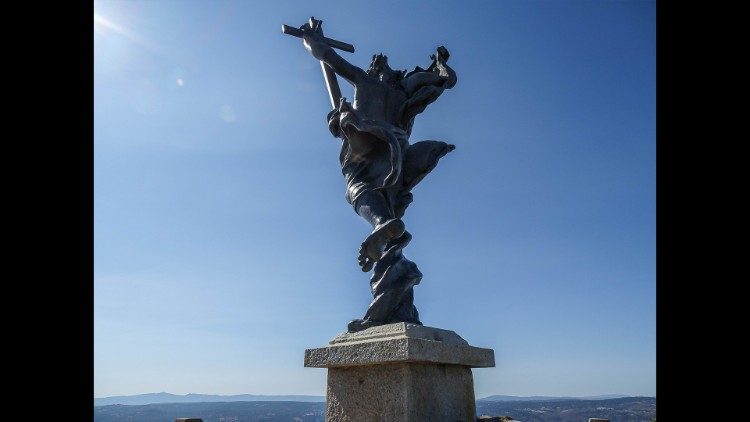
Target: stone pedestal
column 400, row 372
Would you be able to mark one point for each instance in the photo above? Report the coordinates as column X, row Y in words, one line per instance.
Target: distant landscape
column 626, row 409
column 256, row 408
column 153, row 398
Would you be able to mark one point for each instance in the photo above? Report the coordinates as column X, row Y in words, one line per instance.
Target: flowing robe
column 376, row 155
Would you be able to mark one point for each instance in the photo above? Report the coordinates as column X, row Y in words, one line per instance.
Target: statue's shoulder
column 417, row 69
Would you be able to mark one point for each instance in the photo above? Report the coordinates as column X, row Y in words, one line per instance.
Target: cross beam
column 296, row 32
column 332, row 84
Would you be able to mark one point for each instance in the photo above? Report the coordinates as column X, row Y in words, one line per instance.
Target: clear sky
column 223, row 243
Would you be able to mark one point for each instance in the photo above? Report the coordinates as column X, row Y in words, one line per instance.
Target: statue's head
column 379, row 68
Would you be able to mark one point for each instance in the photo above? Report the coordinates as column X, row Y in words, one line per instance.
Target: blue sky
column 223, row 243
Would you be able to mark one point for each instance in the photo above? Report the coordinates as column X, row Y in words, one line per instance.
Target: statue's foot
column 371, row 249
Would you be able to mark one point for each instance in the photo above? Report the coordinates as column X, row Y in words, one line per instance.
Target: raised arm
column 438, row 75
column 446, row 72
column 423, row 87
column 313, row 42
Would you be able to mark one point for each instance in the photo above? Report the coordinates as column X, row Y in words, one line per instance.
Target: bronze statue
column 379, row 164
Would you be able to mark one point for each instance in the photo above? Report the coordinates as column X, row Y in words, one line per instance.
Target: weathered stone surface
column 399, row 342
column 400, row 372
column 401, row 392
column 400, row 330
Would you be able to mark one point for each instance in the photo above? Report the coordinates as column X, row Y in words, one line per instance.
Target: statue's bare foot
column 372, row 248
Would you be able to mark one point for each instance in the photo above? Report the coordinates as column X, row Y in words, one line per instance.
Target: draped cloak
column 388, row 162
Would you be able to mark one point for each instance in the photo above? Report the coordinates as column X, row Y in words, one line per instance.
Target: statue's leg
column 392, row 284
column 374, row 207
column 392, row 287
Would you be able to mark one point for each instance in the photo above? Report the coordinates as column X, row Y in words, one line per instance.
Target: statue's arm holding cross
column 322, row 49
column 315, row 43
column 438, row 74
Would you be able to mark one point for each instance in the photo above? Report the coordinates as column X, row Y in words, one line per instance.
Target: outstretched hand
column 442, row 55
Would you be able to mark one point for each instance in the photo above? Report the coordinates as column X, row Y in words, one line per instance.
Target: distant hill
column 627, row 409
column 550, row 398
column 244, row 411
column 154, row 398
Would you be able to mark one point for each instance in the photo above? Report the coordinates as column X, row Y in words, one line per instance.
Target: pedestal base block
column 400, row 373
column 401, row 392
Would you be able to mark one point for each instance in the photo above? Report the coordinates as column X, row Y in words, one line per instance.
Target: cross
column 332, row 84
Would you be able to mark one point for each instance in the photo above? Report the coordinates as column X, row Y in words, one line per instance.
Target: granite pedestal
column 400, row 372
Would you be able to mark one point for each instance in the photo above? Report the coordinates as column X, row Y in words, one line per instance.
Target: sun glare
column 104, row 26
column 101, row 22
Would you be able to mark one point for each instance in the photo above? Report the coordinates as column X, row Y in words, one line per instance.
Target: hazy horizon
column 323, row 395
column 224, row 246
